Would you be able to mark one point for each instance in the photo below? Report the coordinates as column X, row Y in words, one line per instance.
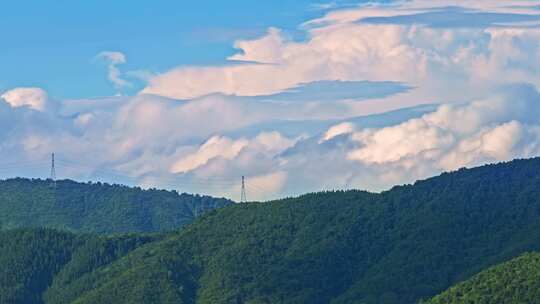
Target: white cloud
column 115, row 59
column 154, row 141
column 34, row 98
column 264, row 187
column 434, row 60
column 267, row 49
column 340, row 129
column 394, row 143
column 454, row 136
column 272, row 142
column 215, row 147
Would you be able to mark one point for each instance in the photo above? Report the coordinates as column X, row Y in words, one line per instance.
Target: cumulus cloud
column 114, row 59
column 494, row 129
column 33, row 98
column 214, row 147
column 498, row 128
column 151, row 141
column 264, row 187
column 348, row 45
column 488, row 130
column 340, row 129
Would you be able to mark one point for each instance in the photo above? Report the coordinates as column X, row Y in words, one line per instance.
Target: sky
column 53, row 44
column 298, row 96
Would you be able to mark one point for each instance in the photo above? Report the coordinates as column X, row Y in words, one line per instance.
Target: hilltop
column 97, row 207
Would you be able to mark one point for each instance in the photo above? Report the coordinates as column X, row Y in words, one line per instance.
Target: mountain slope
column 32, row 258
column 341, row 247
column 400, row 246
column 513, row 282
column 99, row 208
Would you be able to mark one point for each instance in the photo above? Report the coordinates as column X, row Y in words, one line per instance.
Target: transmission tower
column 243, row 198
column 53, row 171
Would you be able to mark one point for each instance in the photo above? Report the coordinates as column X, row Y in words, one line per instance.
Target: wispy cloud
column 114, row 59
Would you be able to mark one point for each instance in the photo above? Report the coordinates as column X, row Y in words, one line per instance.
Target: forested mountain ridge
column 36, row 260
column 513, row 282
column 398, row 247
column 97, row 207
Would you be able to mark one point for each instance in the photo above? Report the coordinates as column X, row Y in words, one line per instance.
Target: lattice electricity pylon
column 53, row 171
column 243, row 197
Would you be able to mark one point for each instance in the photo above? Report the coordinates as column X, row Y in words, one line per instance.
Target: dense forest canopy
column 401, row 246
column 513, row 282
column 36, row 260
column 97, row 207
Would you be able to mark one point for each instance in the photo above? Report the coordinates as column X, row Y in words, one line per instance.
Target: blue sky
column 52, row 44
column 297, row 96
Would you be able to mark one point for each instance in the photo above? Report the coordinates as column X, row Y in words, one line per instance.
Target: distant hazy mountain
column 401, row 246
column 99, row 208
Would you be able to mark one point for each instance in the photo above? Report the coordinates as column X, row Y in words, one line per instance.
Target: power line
column 183, row 180
column 200, row 184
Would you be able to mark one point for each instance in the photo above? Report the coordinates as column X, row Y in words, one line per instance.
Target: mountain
column 31, row 258
column 513, row 282
column 400, row 246
column 97, row 207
